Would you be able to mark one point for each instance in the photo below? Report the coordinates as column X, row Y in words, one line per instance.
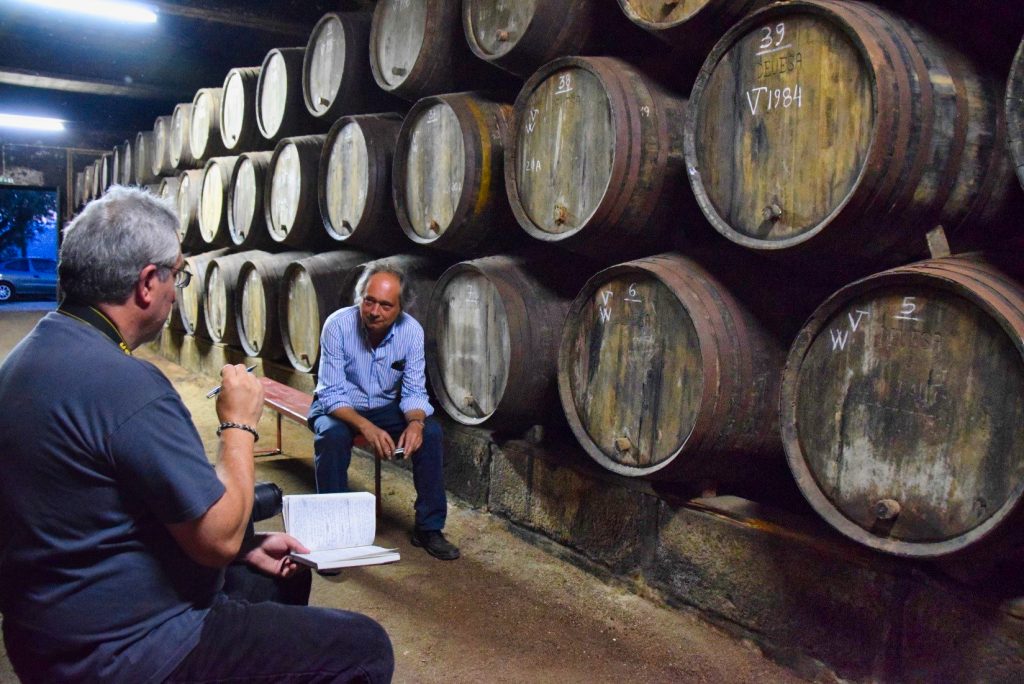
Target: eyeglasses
column 181, row 277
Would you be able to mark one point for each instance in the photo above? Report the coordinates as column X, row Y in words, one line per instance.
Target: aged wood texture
column 596, row 162
column 280, row 109
column 417, row 48
column 213, row 205
column 160, row 160
column 204, row 139
column 448, row 180
column 87, row 181
column 247, row 224
column 354, row 183
column 851, row 133
column 179, row 149
column 142, row 158
column 219, row 300
column 190, row 299
column 290, row 197
column 693, row 25
column 903, row 407
column 168, row 188
column 239, row 130
column 190, row 187
column 106, row 172
column 311, row 292
column 664, row 374
column 1015, row 112
column 127, row 163
column 117, row 168
column 256, row 309
column 493, row 327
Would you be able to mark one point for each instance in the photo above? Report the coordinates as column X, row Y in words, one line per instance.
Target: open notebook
column 339, row 529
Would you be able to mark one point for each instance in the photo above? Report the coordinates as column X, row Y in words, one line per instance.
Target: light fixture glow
column 35, row 123
column 107, row 9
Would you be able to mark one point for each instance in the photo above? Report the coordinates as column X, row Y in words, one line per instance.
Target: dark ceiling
column 109, row 80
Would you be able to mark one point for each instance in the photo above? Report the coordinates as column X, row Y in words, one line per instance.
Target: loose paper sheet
column 331, row 521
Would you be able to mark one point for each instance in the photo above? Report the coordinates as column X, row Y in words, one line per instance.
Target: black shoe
column 435, row 544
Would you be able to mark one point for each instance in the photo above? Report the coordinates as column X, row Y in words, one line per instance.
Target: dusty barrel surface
column 247, row 224
column 354, row 182
column 179, row 142
column 336, row 76
column 664, row 374
column 239, row 130
column 492, row 339
column 160, row 159
column 596, row 159
column 190, row 299
column 190, row 187
column 447, row 178
column 290, row 205
column 213, row 205
column 903, row 407
column 204, row 139
column 1015, row 112
column 694, row 25
column 417, row 48
column 142, row 158
column 220, row 287
column 311, row 292
column 280, row 109
column 256, row 309
column 168, row 188
column 855, row 133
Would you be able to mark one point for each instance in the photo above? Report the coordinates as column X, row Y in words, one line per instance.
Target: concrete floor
column 505, row 612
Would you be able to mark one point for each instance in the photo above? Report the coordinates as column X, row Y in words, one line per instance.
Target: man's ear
column 145, row 285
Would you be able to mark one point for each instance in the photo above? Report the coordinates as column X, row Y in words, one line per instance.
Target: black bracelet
column 238, row 426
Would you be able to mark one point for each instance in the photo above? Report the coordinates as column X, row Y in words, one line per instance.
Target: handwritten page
column 331, row 521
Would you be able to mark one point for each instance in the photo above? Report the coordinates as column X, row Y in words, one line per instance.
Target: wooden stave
column 209, row 99
column 190, row 184
column 1015, row 112
column 214, row 236
column 179, row 149
column 270, row 268
column 327, row 271
column 257, row 236
column 189, row 300
column 482, row 222
column 295, row 119
column 697, row 33
column 882, row 199
column 378, row 229
column 160, row 163
column 629, row 220
column 536, row 295
column 142, row 164
column 310, row 233
column 228, row 267
column 983, row 281
column 741, row 365
column 249, row 137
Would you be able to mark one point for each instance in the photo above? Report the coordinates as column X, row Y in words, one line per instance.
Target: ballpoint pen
column 216, row 390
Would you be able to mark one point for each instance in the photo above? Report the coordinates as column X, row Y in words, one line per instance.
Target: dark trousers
column 249, row 636
column 332, row 449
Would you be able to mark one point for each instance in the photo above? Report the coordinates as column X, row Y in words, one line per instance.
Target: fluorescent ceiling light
column 107, row 9
column 36, row 123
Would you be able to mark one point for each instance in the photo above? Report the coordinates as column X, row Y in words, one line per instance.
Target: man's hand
column 269, row 554
column 378, row 440
column 241, row 396
column 411, row 438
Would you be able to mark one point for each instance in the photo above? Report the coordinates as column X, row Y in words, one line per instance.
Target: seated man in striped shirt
column 372, row 383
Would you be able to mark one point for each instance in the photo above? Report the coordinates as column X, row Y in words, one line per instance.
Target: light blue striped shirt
column 354, row 374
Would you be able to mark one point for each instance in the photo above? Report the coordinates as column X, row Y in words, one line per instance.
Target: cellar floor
column 505, row 612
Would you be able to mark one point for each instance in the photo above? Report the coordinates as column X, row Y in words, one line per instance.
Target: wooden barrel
column 354, row 182
column 220, row 288
column 1015, row 112
column 492, row 339
column 106, row 171
column 204, row 139
column 447, row 177
column 190, row 299
column 596, row 162
column 160, row 160
column 693, row 25
column 142, row 158
column 190, row 187
column 213, row 202
column 280, row 110
column 127, row 170
column 115, row 165
column 256, row 308
column 417, row 48
column 903, row 407
column 238, row 128
column 664, row 374
column 311, row 292
column 247, row 223
column 88, row 175
column 855, row 132
column 290, row 197
column 519, row 37
column 79, row 196
column 179, row 145
column 336, row 78
column 168, row 188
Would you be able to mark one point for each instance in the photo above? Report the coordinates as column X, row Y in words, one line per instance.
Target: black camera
column 266, row 501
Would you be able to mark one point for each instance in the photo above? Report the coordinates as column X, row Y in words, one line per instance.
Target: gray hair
column 405, row 296
column 114, row 238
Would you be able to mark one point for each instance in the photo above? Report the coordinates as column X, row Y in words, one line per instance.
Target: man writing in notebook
column 115, row 530
column 372, row 383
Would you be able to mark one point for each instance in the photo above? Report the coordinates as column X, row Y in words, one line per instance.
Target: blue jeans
column 332, row 449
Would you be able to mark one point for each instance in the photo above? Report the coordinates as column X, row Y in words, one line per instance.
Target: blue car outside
column 29, row 277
